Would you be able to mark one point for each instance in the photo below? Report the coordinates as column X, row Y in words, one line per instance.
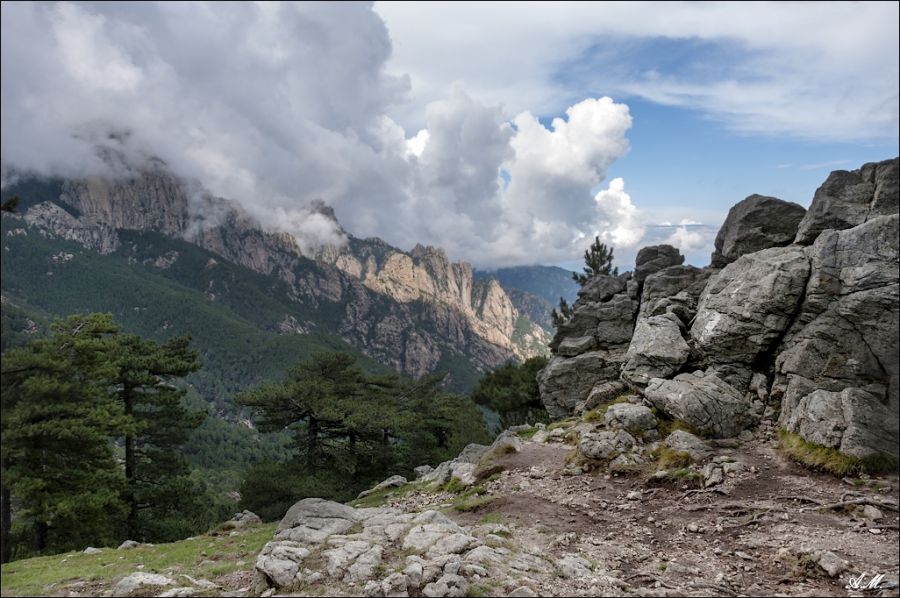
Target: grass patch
column 481, row 589
column 453, row 486
column 563, row 423
column 667, row 426
column 379, row 498
column 830, row 460
column 598, row 414
column 667, row 458
column 491, row 518
column 527, row 434
column 31, row 577
column 473, row 504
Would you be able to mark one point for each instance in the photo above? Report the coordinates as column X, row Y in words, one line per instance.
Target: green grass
column 830, row 460
column 667, row 458
column 527, row 434
column 473, row 504
column 563, row 423
column 379, row 498
column 31, row 577
column 598, row 414
column 683, row 475
column 667, row 426
column 491, row 518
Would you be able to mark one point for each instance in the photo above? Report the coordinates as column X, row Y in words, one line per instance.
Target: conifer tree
column 597, row 260
column 156, row 473
column 560, row 317
column 57, row 419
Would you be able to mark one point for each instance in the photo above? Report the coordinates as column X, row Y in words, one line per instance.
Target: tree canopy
column 597, row 260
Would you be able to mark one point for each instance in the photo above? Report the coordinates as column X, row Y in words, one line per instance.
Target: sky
column 508, row 134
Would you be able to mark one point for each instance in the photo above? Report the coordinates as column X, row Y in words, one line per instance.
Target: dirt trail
column 732, row 539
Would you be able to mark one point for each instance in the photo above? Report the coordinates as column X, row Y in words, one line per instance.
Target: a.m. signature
column 863, row 582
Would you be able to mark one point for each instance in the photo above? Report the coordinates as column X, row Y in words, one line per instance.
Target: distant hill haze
column 415, row 311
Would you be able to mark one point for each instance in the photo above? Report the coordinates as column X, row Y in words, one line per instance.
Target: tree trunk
column 40, row 536
column 5, row 520
column 130, row 462
column 312, row 442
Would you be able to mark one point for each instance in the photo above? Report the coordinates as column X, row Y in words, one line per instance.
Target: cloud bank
column 281, row 105
column 823, row 71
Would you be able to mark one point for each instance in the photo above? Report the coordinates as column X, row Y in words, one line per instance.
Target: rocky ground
column 530, row 516
column 749, row 522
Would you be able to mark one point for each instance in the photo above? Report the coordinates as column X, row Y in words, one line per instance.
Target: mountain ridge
column 415, row 311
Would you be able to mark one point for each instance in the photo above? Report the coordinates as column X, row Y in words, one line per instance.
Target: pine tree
column 563, row 315
column 158, row 488
column 598, row 260
column 57, row 418
column 512, row 392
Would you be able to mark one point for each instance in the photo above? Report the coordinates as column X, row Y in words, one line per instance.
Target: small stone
column 873, row 513
column 92, row 550
column 128, row 544
column 523, row 592
column 743, row 555
column 634, row 495
column 694, row 528
column 875, row 530
column 831, row 563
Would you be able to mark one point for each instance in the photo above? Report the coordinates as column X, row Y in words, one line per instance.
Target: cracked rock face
column 850, row 198
column 657, row 350
column 844, row 342
column 318, row 537
column 565, row 383
column 705, row 403
column 746, row 307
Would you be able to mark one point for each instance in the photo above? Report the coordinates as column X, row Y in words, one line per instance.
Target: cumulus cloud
column 623, row 223
column 279, row 106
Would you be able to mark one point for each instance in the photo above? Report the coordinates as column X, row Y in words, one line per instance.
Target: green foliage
column 57, row 419
column 269, row 489
column 830, row 460
column 597, row 260
column 350, row 430
column 563, row 315
column 378, row 499
column 512, row 392
column 67, row 401
column 667, row 458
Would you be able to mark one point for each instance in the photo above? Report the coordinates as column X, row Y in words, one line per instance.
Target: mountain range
column 166, row 257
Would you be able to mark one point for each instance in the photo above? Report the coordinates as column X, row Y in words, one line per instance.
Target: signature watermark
column 863, row 582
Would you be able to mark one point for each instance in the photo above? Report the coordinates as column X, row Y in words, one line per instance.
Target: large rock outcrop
column 657, row 349
column 655, row 258
column 849, row 198
column 799, row 307
column 756, row 223
column 703, row 401
column 747, row 306
column 844, row 339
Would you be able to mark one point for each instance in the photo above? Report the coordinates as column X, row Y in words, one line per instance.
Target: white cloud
column 688, row 241
column 282, row 105
column 822, row 71
column 622, row 222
